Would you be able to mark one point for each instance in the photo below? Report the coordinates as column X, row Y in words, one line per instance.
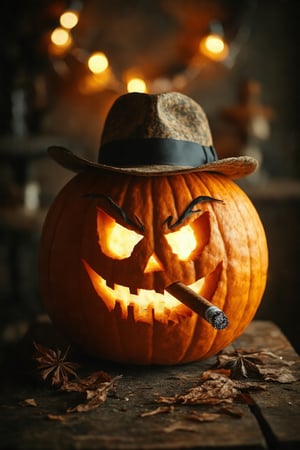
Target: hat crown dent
column 160, row 127
column 165, row 116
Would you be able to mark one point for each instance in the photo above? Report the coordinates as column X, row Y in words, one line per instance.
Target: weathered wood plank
column 278, row 408
column 118, row 423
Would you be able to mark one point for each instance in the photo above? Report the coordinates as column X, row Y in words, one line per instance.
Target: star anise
column 53, row 366
column 242, row 365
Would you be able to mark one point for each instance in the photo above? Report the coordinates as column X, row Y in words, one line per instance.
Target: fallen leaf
column 241, row 365
column 159, row 410
column 95, row 397
column 92, row 382
column 263, row 365
column 181, row 426
column 29, row 402
column 249, row 385
column 231, row 411
column 52, row 364
column 214, row 388
column 60, row 418
column 281, row 375
column 203, row 416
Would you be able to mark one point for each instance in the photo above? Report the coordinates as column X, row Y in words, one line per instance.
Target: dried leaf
column 92, row 382
column 265, row 356
column 214, row 388
column 241, row 365
column 29, row 402
column 203, row 416
column 231, row 411
column 159, row 410
column 53, row 366
column 214, row 373
column 57, row 417
column 281, row 375
column 181, row 426
column 263, row 365
column 243, row 385
column 95, row 397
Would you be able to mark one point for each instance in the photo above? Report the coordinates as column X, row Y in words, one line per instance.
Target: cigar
column 200, row 305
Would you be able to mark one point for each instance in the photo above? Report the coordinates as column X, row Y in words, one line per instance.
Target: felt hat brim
column 233, row 167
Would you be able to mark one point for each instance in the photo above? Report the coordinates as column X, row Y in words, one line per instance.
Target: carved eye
column 115, row 241
column 182, row 242
column 190, row 238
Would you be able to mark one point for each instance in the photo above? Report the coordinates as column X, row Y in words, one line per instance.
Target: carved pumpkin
column 113, row 242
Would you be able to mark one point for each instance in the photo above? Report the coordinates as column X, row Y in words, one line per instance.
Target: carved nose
column 153, row 264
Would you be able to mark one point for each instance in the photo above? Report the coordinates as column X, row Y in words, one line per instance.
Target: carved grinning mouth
column 146, row 301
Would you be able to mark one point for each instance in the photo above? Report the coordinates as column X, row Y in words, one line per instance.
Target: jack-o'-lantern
column 158, row 209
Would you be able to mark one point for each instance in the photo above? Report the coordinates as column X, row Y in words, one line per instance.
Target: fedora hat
column 156, row 134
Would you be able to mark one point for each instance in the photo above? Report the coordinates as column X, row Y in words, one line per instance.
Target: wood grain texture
column 272, row 422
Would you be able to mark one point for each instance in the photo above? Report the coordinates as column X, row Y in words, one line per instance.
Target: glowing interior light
column 153, row 264
column 69, row 19
column 214, row 47
column 121, row 241
column 98, row 62
column 143, row 302
column 60, row 37
column 182, row 242
column 136, row 85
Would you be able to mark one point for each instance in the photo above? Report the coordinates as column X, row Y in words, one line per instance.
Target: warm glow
column 153, row 264
column 214, row 47
column 94, row 82
column 182, row 242
column 120, row 241
column 61, row 37
column 69, row 19
column 98, row 62
column 143, row 302
column 214, row 44
column 136, row 85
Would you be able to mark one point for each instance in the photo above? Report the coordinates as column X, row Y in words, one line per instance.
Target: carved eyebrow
column 189, row 210
column 137, row 225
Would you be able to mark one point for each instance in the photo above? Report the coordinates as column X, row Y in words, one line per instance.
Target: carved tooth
column 111, row 285
column 160, row 290
column 133, row 290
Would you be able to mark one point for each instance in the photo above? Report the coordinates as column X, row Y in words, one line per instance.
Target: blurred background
column 63, row 63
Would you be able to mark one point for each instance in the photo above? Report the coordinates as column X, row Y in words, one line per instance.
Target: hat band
column 155, row 151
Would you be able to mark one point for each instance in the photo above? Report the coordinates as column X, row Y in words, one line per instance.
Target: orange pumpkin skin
column 231, row 257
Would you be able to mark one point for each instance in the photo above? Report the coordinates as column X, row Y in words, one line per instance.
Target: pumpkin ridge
column 194, row 179
column 53, row 221
column 249, row 278
column 66, row 198
column 259, row 235
column 126, row 181
column 91, row 210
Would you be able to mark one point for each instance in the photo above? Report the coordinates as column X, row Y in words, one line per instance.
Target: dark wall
column 266, row 37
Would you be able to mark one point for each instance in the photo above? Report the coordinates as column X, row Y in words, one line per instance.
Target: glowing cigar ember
column 199, row 305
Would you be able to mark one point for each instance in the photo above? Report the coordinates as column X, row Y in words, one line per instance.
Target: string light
column 213, row 44
column 101, row 76
column 136, row 85
column 98, row 62
column 214, row 47
column 69, row 19
column 61, row 37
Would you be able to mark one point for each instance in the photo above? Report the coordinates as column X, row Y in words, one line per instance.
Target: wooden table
column 267, row 419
